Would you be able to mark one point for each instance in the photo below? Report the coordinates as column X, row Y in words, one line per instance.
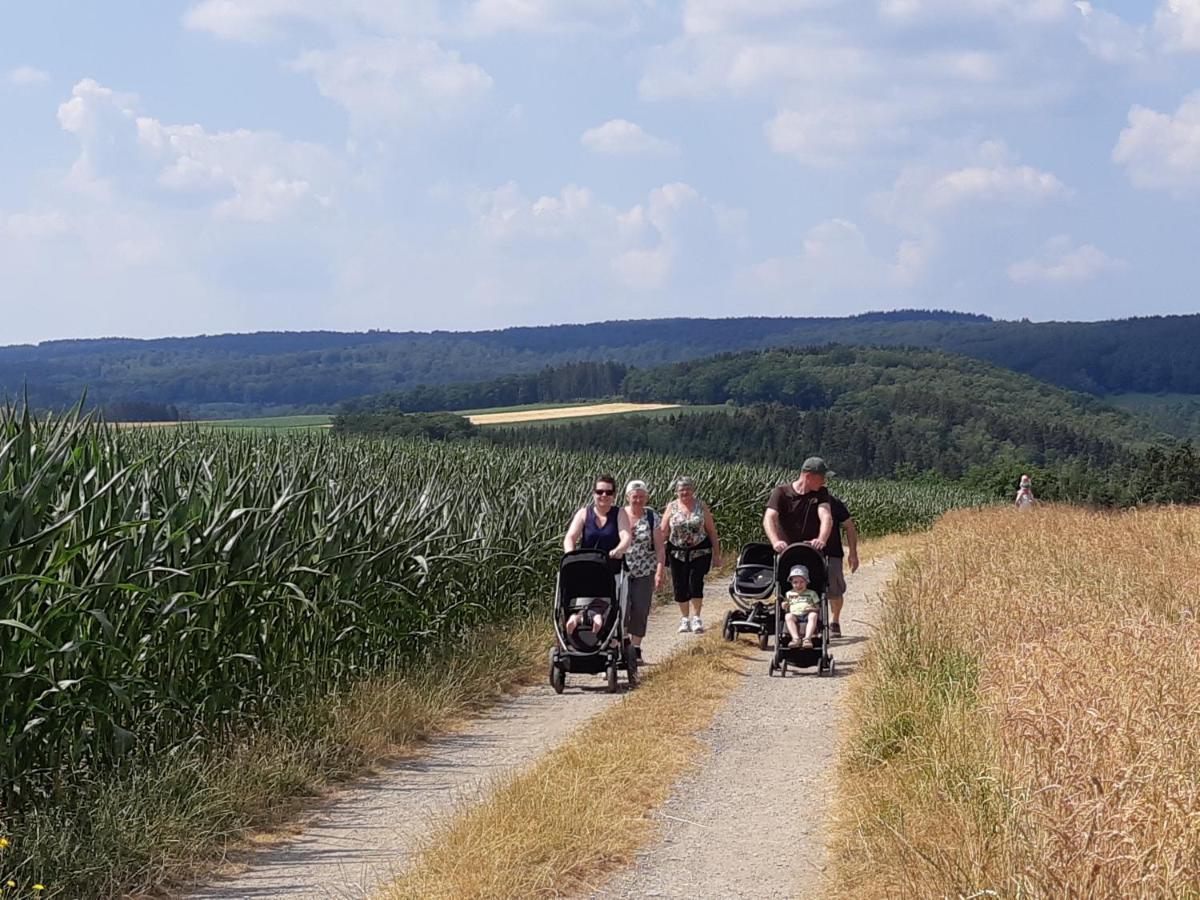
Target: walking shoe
column 697, row 625
column 835, row 629
column 684, row 625
column 637, row 651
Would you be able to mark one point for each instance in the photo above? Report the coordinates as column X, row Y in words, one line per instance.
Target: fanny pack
column 686, row 554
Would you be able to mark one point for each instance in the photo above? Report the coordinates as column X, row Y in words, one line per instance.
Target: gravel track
column 733, row 829
column 365, row 834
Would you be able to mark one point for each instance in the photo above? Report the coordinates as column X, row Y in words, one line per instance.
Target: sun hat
column 816, row 466
column 636, row 484
column 801, row 571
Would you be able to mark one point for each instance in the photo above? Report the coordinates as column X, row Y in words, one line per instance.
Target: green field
column 270, row 422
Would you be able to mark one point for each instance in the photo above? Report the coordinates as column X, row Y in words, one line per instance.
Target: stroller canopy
column 800, row 555
column 586, row 573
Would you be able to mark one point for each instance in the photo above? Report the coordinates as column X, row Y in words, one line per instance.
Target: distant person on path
column 645, row 561
column 602, row 525
column 1025, row 498
column 801, row 511
column 835, row 582
column 693, row 547
column 799, row 602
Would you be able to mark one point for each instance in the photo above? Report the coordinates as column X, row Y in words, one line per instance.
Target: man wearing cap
column 801, row 511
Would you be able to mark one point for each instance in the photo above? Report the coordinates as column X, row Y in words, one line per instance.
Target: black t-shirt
column 798, row 518
column 840, row 515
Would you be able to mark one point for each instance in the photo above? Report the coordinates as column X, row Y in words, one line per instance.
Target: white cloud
column 716, row 16
column 248, row 175
column 27, row 76
column 619, row 137
column 1109, row 37
column 991, row 176
column 1062, row 262
column 639, row 246
column 262, row 20
column 34, row 226
column 389, row 82
column 1178, row 22
column 826, row 134
column 491, row 16
column 834, row 257
column 1161, row 151
column 1004, row 10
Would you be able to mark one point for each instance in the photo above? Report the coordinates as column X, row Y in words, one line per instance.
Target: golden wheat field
column 1029, row 722
column 565, row 412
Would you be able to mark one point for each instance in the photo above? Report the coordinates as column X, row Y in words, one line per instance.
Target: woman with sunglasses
column 692, row 548
column 601, row 526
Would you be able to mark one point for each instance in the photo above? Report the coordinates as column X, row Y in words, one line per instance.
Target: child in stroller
column 800, row 601
column 592, row 610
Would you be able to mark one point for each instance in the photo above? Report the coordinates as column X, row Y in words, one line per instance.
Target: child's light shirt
column 803, row 601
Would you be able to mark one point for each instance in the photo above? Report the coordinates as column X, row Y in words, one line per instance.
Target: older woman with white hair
column 693, row 547
column 645, row 561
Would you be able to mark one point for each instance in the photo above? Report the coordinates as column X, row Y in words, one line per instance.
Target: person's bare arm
column 771, row 527
column 574, row 531
column 825, row 514
column 711, row 528
column 851, row 544
column 626, row 533
column 660, row 553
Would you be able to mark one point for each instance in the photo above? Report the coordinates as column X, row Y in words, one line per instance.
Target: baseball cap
column 816, row 466
column 801, row 571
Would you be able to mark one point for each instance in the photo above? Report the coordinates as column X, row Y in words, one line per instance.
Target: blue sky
column 235, row 165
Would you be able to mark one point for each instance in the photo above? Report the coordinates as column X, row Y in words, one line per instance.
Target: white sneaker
column 697, row 625
column 684, row 625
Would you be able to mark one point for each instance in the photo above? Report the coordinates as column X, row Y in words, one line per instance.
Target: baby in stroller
column 593, row 609
column 801, row 602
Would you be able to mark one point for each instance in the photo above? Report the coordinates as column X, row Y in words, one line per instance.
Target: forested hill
column 279, row 370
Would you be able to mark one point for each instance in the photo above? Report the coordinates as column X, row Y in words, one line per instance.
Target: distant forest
column 312, row 371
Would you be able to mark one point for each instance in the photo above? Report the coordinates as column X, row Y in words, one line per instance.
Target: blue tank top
column 598, row 538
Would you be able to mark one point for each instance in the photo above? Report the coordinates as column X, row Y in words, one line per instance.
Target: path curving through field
column 750, row 822
column 366, row 833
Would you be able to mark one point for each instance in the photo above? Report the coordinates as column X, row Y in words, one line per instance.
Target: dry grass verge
column 153, row 825
column 584, row 809
column 1028, row 722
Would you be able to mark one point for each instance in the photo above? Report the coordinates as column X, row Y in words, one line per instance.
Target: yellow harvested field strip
column 566, row 412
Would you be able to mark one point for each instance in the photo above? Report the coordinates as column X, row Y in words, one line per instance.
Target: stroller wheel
column 764, row 641
column 771, row 669
column 612, row 678
column 558, row 678
column 729, row 632
column 783, row 669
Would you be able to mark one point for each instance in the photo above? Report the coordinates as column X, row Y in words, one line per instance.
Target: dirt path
column 366, row 833
column 731, row 829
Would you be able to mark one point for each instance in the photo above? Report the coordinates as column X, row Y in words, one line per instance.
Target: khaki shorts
column 835, row 577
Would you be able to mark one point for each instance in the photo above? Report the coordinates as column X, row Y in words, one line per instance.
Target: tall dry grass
column 1029, row 720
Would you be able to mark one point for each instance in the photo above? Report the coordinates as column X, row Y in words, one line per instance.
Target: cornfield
column 161, row 587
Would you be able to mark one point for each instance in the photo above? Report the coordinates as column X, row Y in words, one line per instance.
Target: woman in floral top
column 693, row 547
column 645, row 560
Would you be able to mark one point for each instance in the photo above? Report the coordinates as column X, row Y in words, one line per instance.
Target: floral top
column 640, row 558
column 687, row 529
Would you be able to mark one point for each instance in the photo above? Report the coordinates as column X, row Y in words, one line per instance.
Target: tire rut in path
column 366, row 833
column 750, row 821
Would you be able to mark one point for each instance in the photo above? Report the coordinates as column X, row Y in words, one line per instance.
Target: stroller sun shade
column 801, row 555
column 754, row 577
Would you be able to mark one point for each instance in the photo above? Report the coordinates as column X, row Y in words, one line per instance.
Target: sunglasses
column 604, row 492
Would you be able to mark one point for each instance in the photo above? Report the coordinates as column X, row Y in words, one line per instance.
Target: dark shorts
column 835, row 577
column 637, row 610
column 687, row 576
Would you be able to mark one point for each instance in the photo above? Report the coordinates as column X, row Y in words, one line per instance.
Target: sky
column 213, row 166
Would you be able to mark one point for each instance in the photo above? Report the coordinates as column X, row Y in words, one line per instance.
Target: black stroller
column 785, row 653
column 587, row 581
column 752, row 590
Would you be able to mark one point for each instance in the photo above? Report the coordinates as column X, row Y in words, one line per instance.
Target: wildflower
column 39, row 887
column 3, row 843
column 11, row 883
